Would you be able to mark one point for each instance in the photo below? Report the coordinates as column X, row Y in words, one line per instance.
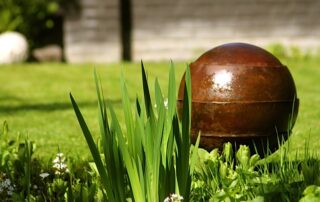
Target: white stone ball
column 13, row 48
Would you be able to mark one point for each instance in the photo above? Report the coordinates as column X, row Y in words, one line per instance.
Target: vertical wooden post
column 126, row 28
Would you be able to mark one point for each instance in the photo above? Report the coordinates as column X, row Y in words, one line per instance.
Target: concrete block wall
column 93, row 35
column 182, row 29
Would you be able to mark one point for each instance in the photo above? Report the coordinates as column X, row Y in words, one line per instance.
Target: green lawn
column 34, row 100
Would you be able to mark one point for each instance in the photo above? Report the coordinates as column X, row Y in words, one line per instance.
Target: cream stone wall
column 182, row 29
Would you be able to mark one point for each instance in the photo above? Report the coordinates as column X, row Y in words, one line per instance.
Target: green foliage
column 23, row 15
column 150, row 158
column 25, row 178
column 33, row 18
column 226, row 176
column 246, row 177
column 311, row 194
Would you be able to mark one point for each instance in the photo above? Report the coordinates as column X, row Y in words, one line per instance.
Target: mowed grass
column 34, row 100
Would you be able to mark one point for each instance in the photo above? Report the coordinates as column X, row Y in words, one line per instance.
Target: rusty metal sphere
column 241, row 94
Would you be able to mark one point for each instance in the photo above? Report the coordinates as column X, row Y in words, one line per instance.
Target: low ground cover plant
column 27, row 178
column 242, row 176
column 149, row 158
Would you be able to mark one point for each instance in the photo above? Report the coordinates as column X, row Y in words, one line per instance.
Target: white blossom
column 6, row 185
column 7, row 182
column 59, row 164
column 173, row 198
column 56, row 160
column 44, row 175
column 60, row 155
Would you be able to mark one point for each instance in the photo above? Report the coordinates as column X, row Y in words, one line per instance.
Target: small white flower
column 58, row 164
column 60, row 154
column 56, row 160
column 44, row 175
column 7, row 183
column 6, row 186
column 57, row 172
column 10, row 188
column 173, row 198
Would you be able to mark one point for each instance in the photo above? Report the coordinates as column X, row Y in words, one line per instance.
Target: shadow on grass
column 48, row 107
column 12, row 98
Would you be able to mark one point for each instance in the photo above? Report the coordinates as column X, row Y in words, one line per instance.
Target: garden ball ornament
column 240, row 94
column 13, row 48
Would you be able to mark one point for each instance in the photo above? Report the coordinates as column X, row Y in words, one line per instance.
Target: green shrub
column 31, row 18
column 36, row 19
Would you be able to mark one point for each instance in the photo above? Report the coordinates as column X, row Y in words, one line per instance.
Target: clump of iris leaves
column 151, row 159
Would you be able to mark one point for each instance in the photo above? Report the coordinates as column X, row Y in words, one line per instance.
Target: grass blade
column 93, row 149
column 183, row 169
column 146, row 93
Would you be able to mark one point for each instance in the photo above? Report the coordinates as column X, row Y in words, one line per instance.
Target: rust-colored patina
column 241, row 94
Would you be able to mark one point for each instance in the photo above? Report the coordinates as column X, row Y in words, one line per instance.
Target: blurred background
column 100, row 31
